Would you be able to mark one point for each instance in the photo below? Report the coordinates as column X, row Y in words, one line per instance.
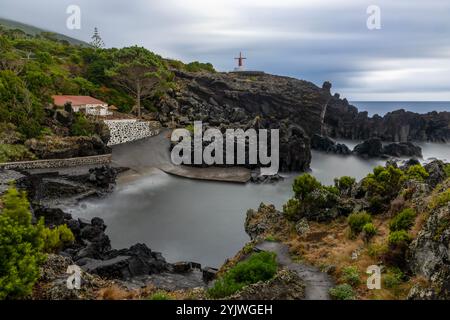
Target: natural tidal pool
column 189, row 220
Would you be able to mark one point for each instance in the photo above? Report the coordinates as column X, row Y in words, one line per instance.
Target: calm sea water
column 204, row 221
column 201, row 221
column 383, row 107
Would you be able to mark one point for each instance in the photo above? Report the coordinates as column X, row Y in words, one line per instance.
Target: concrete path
column 317, row 283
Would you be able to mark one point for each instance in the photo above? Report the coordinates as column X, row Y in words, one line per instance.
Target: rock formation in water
column 373, row 148
column 344, row 121
column 328, row 145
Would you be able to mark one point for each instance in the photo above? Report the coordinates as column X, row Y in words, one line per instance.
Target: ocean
column 383, row 107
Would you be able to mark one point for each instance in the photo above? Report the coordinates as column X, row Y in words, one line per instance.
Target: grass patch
column 160, row 295
column 260, row 266
column 342, row 292
column 351, row 276
column 271, row 238
column 393, row 278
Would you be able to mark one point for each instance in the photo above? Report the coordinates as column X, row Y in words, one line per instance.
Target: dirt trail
column 317, row 283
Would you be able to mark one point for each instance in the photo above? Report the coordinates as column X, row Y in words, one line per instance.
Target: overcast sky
column 317, row 40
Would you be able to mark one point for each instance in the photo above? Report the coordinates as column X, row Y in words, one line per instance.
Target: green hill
column 36, row 64
column 31, row 30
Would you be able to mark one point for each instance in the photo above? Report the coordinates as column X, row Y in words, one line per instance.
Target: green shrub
column 9, row 134
column 377, row 250
column 403, row 220
column 304, row 185
column 399, row 238
column 357, row 221
column 259, row 267
column 344, row 183
column 440, row 199
column 21, row 247
column 351, row 275
column 46, row 131
column 291, row 208
column 15, row 152
column 393, row 278
column 18, row 105
column 447, row 169
column 369, row 231
column 160, row 295
column 312, row 199
column 271, row 238
column 376, row 204
column 82, row 126
column 190, row 128
column 248, row 248
column 331, row 189
column 417, row 172
column 57, row 238
column 384, row 182
column 198, row 66
column 342, row 292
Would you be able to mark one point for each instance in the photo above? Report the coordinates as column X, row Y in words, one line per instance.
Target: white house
column 86, row 104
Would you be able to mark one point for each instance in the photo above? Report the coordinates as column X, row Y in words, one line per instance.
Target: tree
column 11, row 61
column 304, row 185
column 18, row 105
column 138, row 71
column 21, row 247
column 97, row 41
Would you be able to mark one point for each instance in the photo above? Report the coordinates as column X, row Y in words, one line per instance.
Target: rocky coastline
column 135, row 266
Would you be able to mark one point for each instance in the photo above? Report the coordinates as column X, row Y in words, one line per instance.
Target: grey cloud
column 316, row 41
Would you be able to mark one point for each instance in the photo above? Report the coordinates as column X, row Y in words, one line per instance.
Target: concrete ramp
column 237, row 174
column 153, row 152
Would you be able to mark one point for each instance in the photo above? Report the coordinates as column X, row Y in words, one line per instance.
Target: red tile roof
column 75, row 100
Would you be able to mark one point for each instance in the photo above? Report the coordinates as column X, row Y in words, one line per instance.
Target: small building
column 86, row 104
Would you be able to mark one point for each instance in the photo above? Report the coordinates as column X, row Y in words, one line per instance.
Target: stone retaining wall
column 58, row 163
column 128, row 130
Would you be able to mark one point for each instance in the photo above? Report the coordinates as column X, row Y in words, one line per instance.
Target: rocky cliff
column 298, row 108
column 344, row 121
column 241, row 100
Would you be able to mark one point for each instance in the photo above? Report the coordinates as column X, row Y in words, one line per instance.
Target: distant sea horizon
column 383, row 107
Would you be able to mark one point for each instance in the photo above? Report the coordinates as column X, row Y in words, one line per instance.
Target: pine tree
column 97, row 41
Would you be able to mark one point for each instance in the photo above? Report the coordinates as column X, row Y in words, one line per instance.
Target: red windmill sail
column 240, row 60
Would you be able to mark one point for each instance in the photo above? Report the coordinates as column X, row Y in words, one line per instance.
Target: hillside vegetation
column 35, row 67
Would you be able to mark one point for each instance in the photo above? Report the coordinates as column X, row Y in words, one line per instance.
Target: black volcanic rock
column 238, row 100
column 241, row 100
column 403, row 149
column 373, row 148
column 53, row 147
column 343, row 120
column 125, row 264
column 328, row 145
column 436, row 171
column 370, row 148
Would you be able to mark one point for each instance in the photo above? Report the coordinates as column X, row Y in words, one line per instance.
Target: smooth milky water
column 199, row 221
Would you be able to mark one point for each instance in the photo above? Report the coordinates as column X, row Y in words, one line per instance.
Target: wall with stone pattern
column 128, row 130
column 57, row 163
